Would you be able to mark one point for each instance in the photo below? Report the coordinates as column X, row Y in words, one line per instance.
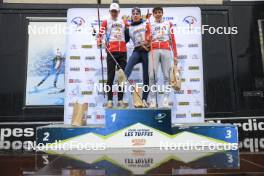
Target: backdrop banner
column 83, row 71
column 45, row 73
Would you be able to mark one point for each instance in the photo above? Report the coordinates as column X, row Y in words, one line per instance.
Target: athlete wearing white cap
column 113, row 31
column 114, row 6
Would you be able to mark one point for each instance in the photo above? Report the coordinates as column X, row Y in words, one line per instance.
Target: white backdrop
column 83, row 66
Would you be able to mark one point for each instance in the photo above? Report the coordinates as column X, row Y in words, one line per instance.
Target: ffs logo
column 191, row 21
column 79, row 22
column 160, row 116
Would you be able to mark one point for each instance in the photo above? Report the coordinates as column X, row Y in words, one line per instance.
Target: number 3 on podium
column 228, row 134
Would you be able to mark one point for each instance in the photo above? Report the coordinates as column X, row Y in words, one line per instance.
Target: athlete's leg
column 110, row 75
column 166, row 66
column 122, row 61
column 144, row 56
column 133, row 60
column 56, row 77
column 154, row 57
column 44, row 79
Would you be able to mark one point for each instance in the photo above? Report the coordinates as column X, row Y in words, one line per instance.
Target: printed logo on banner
column 90, row 85
column 183, row 80
column 180, row 115
column 193, row 45
column 74, row 91
column 87, row 92
column 70, row 104
column 194, row 79
column 89, row 117
column 191, row 21
column 136, row 69
column 89, row 57
column 169, row 18
column 182, row 57
column 193, row 91
column 75, row 81
column 92, row 105
column 138, row 142
column 17, row 136
column 184, row 103
column 178, row 45
column 87, row 46
column 179, row 91
column 99, row 117
column 160, row 116
column 73, row 47
column 78, row 22
column 196, row 115
column 90, row 69
column 195, row 56
column 193, row 67
column 75, row 57
column 75, row 69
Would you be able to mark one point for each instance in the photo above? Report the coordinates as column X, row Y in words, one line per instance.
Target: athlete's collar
column 160, row 21
column 137, row 23
column 113, row 18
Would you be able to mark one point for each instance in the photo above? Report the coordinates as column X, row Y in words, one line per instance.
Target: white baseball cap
column 114, row 6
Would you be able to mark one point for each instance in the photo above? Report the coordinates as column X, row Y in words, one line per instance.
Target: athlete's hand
column 146, row 43
column 148, row 15
column 99, row 42
column 175, row 61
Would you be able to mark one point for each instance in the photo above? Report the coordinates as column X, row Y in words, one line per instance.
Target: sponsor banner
column 83, row 63
column 45, row 63
column 18, row 136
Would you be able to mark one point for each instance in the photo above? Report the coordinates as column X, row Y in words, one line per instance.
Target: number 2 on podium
column 46, row 136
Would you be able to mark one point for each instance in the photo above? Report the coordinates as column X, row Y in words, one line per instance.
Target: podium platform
column 137, row 128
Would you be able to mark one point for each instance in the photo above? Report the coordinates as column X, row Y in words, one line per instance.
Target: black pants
column 121, row 58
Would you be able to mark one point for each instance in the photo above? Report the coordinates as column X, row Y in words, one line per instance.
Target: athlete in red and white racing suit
column 160, row 35
column 113, row 31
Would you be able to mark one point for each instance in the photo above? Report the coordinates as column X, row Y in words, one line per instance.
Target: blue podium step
column 159, row 119
column 135, row 128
